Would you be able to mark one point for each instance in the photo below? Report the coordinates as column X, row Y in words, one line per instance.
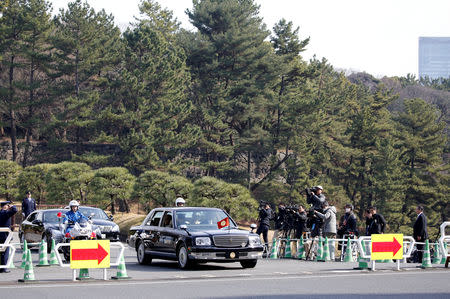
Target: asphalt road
column 270, row 279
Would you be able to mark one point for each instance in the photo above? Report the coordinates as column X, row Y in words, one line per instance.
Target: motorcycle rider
column 73, row 215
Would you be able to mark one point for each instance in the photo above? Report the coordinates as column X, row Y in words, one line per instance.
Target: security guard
column 6, row 212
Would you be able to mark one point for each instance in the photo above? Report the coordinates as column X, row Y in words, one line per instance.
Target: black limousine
column 192, row 235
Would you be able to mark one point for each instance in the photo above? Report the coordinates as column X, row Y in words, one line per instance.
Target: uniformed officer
column 28, row 205
column 6, row 213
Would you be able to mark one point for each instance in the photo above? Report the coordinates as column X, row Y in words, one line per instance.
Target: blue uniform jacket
column 74, row 217
column 5, row 220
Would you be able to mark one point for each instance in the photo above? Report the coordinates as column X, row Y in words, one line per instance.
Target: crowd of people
column 321, row 220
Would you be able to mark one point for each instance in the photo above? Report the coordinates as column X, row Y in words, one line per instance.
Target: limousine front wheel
column 182, row 258
column 142, row 257
column 249, row 263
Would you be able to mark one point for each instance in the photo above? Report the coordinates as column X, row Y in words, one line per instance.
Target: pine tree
column 37, row 59
column 231, row 68
column 84, row 44
column 421, row 140
column 12, row 28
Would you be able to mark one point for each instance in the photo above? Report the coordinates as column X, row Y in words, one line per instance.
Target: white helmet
column 319, row 187
column 73, row 203
column 179, row 200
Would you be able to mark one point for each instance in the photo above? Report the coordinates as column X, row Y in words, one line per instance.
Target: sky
column 379, row 37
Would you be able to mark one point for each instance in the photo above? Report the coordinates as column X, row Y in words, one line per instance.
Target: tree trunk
column 12, row 113
column 112, row 205
column 30, row 116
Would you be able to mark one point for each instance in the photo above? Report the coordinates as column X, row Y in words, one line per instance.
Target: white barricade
column 7, row 244
column 115, row 264
column 444, row 238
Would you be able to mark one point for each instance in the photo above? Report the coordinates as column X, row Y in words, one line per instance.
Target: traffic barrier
column 24, row 255
column 274, row 250
column 301, row 249
column 84, row 275
column 287, row 250
column 444, row 256
column 348, row 258
column 319, row 250
column 53, row 260
column 28, row 275
column 363, row 263
column 43, row 259
column 121, row 270
column 326, row 251
column 426, row 260
column 437, row 254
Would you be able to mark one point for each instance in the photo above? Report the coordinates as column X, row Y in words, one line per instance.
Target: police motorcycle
column 82, row 230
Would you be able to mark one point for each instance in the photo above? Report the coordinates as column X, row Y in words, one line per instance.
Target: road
column 270, row 279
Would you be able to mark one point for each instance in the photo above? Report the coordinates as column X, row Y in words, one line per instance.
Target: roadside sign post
column 387, row 247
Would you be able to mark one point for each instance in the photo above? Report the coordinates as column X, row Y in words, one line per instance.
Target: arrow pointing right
column 88, row 254
column 393, row 246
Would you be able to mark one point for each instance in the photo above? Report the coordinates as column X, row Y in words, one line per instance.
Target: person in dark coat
column 420, row 232
column 6, row 213
column 377, row 223
column 28, row 205
column 265, row 215
column 300, row 222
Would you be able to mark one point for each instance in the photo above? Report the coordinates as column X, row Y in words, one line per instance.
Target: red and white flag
column 223, row 223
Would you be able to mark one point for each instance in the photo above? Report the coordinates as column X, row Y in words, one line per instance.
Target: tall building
column 434, row 57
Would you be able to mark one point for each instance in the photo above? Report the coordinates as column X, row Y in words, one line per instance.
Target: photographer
column 265, row 214
column 315, row 197
column 329, row 225
column 279, row 221
column 300, row 222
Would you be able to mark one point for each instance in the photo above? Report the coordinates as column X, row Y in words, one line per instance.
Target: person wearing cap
column 316, row 197
column 6, row 213
column 28, row 205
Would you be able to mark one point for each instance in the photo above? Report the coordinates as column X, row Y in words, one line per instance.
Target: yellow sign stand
column 85, row 254
column 387, row 247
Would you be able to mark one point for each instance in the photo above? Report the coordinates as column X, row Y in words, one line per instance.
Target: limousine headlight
column 203, row 241
column 254, row 241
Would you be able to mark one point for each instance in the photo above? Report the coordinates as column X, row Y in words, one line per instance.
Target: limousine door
column 168, row 234
column 150, row 233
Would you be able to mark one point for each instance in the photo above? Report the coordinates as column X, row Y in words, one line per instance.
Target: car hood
column 217, row 232
column 103, row 222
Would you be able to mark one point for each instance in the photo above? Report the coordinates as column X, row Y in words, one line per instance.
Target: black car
column 109, row 229
column 193, row 235
column 39, row 225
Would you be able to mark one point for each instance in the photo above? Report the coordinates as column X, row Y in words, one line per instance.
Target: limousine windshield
column 203, row 219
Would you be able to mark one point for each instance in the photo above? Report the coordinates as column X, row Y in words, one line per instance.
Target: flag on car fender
column 223, row 223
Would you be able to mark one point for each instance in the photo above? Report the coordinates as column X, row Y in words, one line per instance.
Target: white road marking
column 228, row 279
